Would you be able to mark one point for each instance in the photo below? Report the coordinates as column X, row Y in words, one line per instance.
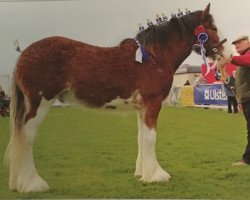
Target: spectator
column 4, row 104
column 2, row 93
column 187, row 83
column 230, row 92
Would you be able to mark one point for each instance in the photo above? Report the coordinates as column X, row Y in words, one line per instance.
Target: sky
column 103, row 22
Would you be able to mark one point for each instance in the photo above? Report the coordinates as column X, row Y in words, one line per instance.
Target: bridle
column 202, row 38
column 215, row 48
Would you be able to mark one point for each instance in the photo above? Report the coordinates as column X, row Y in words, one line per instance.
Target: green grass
column 89, row 154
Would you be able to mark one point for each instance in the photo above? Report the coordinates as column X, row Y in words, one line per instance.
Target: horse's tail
column 17, row 120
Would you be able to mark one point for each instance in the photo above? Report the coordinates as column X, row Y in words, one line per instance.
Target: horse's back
column 52, row 65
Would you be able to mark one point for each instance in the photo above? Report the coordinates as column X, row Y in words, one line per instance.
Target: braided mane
column 162, row 34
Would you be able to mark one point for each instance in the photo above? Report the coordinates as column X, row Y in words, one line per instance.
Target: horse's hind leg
column 23, row 173
column 139, row 160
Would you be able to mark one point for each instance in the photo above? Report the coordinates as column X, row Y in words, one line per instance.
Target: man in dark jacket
column 242, row 46
column 230, row 92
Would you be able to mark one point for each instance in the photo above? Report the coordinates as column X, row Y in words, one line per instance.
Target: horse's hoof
column 34, row 184
column 138, row 173
column 158, row 176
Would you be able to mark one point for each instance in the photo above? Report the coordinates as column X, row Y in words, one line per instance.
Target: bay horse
column 54, row 66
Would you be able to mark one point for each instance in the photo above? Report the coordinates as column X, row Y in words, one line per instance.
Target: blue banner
column 209, row 94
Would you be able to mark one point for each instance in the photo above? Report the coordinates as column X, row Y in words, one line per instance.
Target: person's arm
column 242, row 60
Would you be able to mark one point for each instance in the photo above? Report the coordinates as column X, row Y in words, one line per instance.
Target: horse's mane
column 162, row 34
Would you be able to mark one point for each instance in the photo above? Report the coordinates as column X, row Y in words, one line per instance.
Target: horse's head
column 208, row 42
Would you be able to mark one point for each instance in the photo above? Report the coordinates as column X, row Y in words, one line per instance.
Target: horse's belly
column 123, row 104
column 132, row 103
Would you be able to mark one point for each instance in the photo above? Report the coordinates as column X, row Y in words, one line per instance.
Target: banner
column 209, row 95
column 187, row 96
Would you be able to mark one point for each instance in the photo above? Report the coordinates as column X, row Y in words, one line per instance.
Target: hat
column 242, row 37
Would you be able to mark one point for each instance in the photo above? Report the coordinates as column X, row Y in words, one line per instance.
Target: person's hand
column 222, row 61
column 240, row 109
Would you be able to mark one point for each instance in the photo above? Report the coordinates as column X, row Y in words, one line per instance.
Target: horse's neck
column 184, row 52
column 173, row 41
column 181, row 44
column 176, row 54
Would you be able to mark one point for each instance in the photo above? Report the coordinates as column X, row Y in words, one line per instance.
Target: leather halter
column 214, row 48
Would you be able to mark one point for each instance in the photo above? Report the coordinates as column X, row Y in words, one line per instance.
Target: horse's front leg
column 147, row 165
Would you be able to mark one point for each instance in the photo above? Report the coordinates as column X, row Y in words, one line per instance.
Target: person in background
column 230, row 92
column 242, row 86
column 187, row 83
column 4, row 103
column 2, row 93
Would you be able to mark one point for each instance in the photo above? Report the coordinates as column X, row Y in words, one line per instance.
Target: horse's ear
column 205, row 13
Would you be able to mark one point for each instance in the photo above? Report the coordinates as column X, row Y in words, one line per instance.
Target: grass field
column 90, row 154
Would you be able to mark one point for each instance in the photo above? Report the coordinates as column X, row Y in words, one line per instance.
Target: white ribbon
column 203, row 51
column 138, row 55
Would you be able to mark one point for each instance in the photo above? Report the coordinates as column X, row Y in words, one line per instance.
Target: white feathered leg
column 23, row 173
column 138, row 170
column 147, row 165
